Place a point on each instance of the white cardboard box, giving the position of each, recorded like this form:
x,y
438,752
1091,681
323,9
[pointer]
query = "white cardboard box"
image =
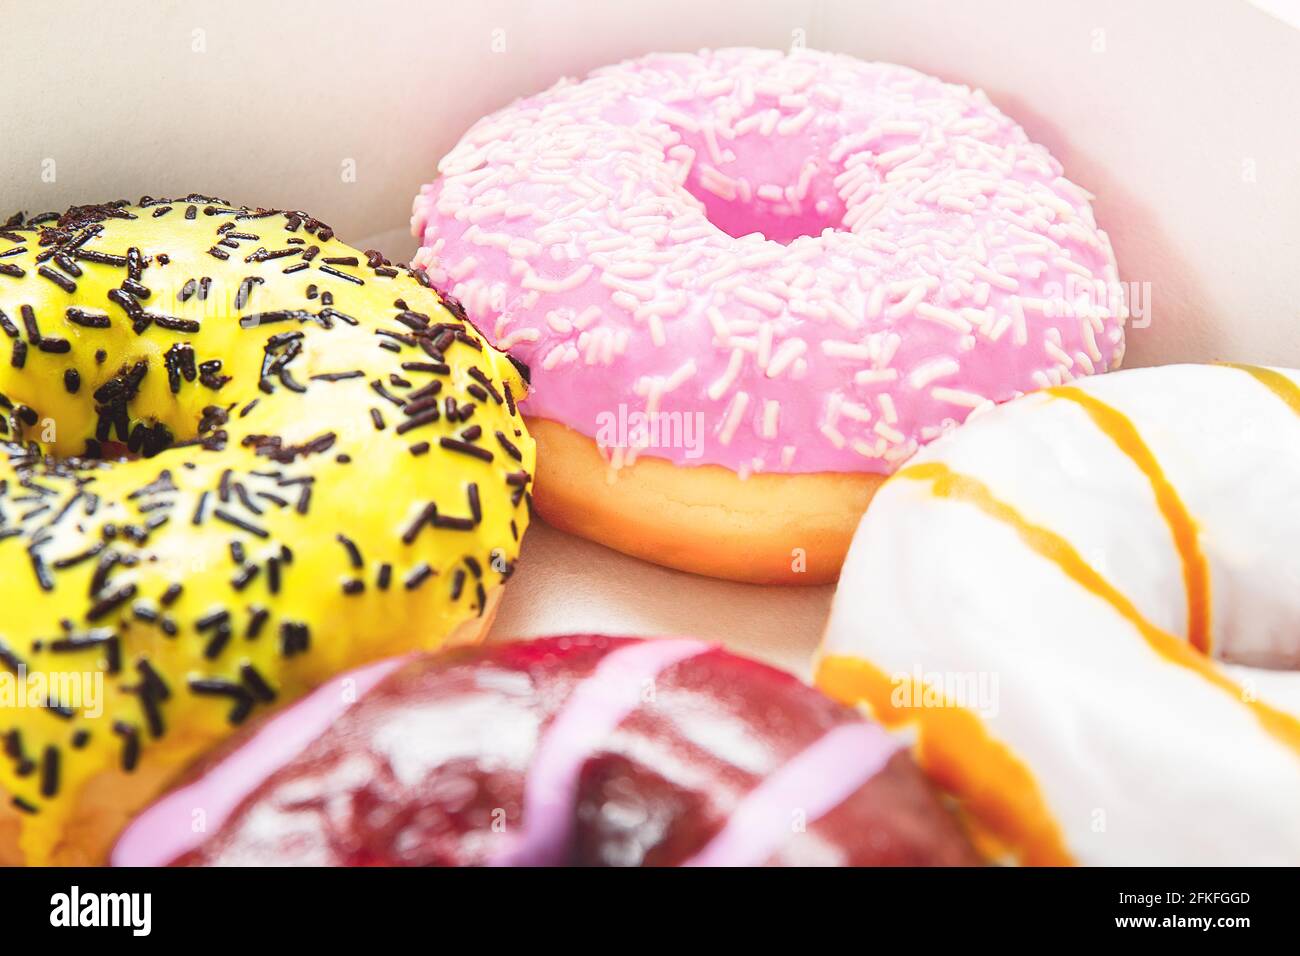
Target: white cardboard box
x,y
1182,116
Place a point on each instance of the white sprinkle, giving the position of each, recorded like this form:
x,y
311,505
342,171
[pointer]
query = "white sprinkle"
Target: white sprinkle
x,y
720,184
665,306
765,301
955,396
719,386
999,328
887,409
518,335
932,370
732,421
552,286
553,357
771,418
808,309
788,351
895,157
1047,307
1090,340
462,269
909,302
875,376
841,315
690,233
711,143
888,433
1005,283
763,257
876,302
679,119
794,124
1057,354
764,353
717,87
626,301
833,435
942,316
719,324
855,411
1019,331
586,317
657,331
684,373
728,265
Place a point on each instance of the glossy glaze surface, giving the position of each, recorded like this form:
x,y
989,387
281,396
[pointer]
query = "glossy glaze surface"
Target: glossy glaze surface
x,y
1083,605
582,750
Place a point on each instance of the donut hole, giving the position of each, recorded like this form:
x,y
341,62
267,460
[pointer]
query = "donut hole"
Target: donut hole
x,y
1280,655
1257,631
781,196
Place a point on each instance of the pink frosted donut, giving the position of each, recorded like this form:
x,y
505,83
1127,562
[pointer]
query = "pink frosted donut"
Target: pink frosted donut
x,y
792,263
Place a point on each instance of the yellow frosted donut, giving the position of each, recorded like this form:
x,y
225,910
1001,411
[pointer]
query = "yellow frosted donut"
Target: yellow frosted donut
x,y
329,468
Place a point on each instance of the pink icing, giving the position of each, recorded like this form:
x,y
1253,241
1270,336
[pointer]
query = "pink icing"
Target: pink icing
x,y
814,782
923,258
595,707
166,830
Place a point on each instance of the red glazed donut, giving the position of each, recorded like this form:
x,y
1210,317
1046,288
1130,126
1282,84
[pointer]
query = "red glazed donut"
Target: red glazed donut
x,y
578,750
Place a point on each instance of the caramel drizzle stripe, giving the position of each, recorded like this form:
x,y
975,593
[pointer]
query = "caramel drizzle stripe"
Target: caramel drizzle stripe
x,y
1196,571
1277,383
1048,544
995,786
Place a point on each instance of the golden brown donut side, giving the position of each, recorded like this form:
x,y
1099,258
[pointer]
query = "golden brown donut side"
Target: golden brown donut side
x,y
764,529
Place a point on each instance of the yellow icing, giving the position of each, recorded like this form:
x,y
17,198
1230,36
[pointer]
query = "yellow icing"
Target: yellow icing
x,y
373,498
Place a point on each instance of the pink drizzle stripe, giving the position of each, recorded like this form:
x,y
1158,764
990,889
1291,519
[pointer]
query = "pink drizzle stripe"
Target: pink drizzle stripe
x,y
816,781
594,709
165,831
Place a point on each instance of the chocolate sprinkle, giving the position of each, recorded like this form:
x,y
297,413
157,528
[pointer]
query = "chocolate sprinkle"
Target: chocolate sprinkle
x,y
421,573
354,553
465,448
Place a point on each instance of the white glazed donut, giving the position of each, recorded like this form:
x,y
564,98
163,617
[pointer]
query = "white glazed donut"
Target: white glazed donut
x,y
1084,605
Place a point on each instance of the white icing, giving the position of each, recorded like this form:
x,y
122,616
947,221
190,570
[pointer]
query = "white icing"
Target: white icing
x,y
1139,760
